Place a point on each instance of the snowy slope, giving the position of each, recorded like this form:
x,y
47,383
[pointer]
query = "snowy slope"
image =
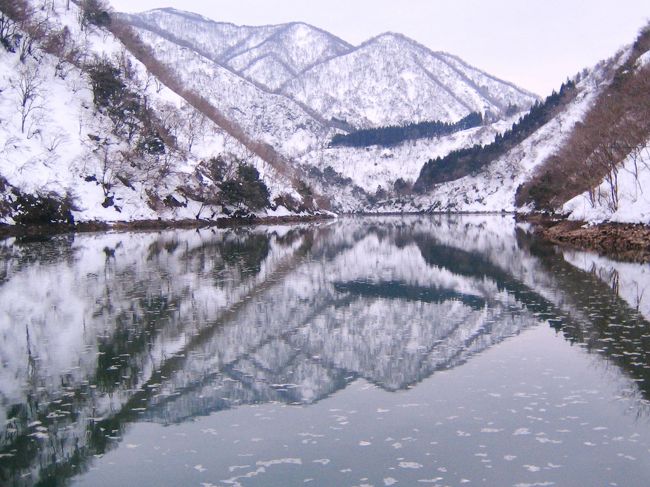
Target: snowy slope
x,y
265,117
53,154
68,147
393,80
376,166
494,188
269,68
295,46
267,55
626,196
500,93
630,203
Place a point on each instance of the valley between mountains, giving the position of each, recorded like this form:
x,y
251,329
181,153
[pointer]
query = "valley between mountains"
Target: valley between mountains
x,y
167,115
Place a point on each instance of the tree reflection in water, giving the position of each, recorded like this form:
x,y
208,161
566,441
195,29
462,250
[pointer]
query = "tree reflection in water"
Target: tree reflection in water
x,y
101,331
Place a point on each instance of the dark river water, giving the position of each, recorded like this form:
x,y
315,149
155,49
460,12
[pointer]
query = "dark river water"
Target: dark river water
x,y
434,351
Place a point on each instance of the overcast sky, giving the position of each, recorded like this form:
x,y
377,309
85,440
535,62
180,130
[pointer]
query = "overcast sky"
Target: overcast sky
x,y
533,43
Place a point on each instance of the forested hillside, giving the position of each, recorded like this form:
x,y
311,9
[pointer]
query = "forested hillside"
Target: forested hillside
x,y
471,160
486,177
396,134
616,128
90,133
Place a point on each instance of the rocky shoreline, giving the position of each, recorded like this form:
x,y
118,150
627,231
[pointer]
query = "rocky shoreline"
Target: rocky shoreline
x,y
622,241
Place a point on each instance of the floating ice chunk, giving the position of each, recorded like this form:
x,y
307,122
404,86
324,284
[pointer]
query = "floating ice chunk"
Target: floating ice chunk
x,y
536,484
627,457
280,461
544,439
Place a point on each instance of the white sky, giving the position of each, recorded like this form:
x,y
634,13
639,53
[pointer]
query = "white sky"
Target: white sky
x,y
533,43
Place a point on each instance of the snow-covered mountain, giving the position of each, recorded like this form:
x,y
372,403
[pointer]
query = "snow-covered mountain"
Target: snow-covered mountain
x,y
292,86
392,80
494,187
208,90
268,55
387,80
265,117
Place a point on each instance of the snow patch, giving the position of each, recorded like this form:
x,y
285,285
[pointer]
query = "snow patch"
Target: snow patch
x,y
629,203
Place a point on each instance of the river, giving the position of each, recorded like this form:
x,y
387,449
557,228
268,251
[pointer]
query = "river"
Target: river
x,y
444,350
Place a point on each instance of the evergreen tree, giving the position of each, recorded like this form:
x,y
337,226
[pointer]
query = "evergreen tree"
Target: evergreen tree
x,y
394,134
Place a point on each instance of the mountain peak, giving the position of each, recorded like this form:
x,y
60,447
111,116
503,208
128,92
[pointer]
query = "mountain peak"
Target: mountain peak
x,y
177,12
393,36
390,39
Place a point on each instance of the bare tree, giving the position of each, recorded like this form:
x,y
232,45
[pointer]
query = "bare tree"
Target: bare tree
x,y
28,86
55,140
195,124
109,161
8,31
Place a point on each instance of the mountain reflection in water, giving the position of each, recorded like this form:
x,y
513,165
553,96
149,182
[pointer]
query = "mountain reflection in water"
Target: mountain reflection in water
x,y
102,331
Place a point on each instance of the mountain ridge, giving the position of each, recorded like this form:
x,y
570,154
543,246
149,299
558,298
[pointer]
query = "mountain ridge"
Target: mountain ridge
x,y
351,46
270,56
